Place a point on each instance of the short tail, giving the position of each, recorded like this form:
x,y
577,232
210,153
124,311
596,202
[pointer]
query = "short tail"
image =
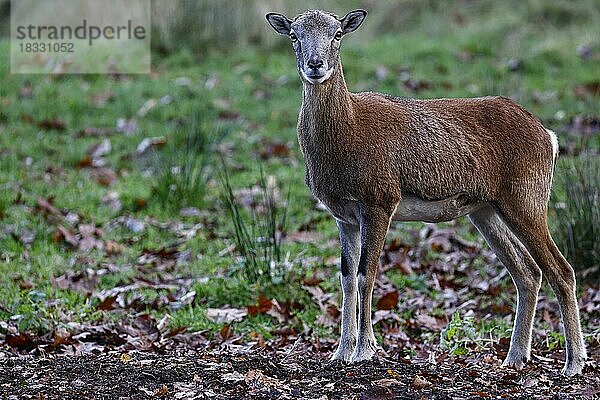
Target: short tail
x,y
554,141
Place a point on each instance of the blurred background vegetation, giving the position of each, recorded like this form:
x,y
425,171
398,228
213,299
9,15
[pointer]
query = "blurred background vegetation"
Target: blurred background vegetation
x,y
229,24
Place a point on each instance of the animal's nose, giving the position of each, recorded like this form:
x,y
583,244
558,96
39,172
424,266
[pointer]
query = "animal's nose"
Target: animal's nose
x,y
315,63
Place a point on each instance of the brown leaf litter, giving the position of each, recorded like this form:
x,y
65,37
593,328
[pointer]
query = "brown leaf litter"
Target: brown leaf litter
x,y
298,370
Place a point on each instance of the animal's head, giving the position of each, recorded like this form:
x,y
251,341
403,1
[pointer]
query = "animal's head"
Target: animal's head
x,y
316,37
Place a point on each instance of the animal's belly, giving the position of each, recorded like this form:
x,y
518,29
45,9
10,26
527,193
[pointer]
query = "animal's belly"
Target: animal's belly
x,y
412,208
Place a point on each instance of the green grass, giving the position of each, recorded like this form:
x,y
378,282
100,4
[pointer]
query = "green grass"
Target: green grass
x,y
227,104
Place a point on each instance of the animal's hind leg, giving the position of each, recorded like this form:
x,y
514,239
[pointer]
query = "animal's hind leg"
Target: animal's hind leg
x,y
530,226
525,274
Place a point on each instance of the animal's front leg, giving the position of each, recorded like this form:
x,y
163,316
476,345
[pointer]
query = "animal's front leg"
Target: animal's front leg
x,y
373,229
350,240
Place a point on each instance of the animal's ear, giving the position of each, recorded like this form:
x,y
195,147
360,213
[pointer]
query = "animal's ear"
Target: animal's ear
x,y
280,23
352,20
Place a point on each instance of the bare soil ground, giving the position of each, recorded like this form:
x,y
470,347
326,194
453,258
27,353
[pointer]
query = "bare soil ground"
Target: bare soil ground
x,y
298,371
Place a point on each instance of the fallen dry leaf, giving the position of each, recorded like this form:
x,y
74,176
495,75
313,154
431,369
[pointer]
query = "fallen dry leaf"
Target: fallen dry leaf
x,y
26,91
127,126
95,131
271,148
52,124
303,237
233,377
263,306
66,235
140,283
25,284
229,115
148,143
134,225
586,90
146,107
100,99
112,248
393,373
45,205
389,301
225,332
61,336
112,201
420,383
162,391
104,176
257,379
430,322
226,315
22,341
108,303
385,382
99,149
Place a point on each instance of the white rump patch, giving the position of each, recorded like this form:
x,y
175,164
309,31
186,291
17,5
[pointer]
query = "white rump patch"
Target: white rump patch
x,y
554,141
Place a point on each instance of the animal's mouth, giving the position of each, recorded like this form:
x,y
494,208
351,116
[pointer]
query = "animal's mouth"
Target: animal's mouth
x,y
316,79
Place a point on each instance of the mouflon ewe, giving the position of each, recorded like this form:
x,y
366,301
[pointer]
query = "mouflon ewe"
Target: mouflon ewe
x,y
373,158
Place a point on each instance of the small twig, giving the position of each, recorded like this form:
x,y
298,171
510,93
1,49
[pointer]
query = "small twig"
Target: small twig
x,y
228,250
501,275
292,349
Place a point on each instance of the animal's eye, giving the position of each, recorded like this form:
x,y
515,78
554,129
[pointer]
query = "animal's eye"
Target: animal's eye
x,y
293,37
338,35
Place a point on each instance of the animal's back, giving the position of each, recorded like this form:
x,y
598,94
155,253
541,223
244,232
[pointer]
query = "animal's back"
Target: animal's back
x,y
438,144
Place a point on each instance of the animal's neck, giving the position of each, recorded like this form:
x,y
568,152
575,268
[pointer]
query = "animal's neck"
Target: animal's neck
x,y
325,104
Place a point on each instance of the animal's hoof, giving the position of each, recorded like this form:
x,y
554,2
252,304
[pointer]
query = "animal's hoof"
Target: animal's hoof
x,y
345,350
363,352
342,355
573,367
516,361
570,371
362,356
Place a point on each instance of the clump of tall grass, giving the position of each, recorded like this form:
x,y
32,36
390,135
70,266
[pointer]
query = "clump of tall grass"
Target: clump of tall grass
x,y
182,170
576,212
259,232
